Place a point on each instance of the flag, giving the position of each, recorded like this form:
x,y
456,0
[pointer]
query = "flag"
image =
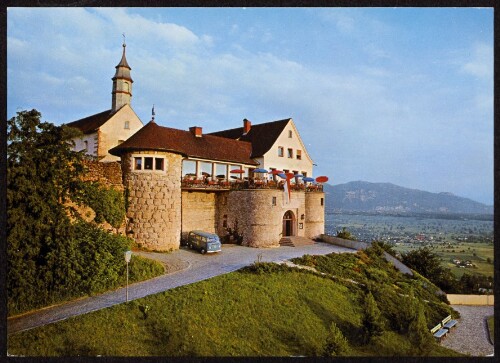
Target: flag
x,y
286,191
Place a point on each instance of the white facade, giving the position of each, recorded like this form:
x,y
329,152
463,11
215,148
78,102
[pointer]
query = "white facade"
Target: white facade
x,y
294,159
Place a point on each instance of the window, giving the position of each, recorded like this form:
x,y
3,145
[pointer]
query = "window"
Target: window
x,y
304,173
290,134
322,201
224,221
148,163
274,201
299,154
290,153
280,151
138,164
159,162
86,145
127,125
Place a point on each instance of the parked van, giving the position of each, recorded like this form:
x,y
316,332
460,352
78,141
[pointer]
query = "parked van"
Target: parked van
x,y
204,242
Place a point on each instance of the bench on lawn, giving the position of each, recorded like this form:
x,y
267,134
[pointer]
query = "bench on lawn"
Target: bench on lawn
x,y
449,323
439,332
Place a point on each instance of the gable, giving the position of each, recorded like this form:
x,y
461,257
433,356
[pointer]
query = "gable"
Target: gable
x,y
262,136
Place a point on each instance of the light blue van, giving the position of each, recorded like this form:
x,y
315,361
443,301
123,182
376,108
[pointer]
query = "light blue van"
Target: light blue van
x,y
204,242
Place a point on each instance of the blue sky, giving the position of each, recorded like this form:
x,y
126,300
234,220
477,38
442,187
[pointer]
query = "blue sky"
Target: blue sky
x,y
399,95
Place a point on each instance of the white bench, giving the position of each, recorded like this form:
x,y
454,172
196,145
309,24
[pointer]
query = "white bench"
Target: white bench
x,y
439,332
449,323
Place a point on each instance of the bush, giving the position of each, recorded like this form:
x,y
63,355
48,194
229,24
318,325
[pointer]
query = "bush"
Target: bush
x,y
108,204
336,344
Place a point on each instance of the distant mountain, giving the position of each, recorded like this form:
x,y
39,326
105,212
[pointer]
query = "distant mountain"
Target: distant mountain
x,y
360,196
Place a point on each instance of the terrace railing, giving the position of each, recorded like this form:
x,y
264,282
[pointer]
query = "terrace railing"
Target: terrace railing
x,y
246,185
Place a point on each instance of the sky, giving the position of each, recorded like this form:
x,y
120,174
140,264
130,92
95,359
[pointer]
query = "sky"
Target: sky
x,y
398,95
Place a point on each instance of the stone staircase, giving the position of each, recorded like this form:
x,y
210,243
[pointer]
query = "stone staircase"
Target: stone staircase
x,y
295,241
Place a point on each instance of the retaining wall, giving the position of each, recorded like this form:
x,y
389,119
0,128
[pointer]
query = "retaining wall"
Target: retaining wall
x,y
456,299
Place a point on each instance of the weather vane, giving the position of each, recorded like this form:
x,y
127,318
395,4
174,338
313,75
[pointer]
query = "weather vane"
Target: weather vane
x,y
123,38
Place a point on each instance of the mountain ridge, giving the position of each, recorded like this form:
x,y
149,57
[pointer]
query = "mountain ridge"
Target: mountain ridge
x,y
362,196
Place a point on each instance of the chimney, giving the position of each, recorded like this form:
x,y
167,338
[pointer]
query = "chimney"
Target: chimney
x,y
246,126
196,131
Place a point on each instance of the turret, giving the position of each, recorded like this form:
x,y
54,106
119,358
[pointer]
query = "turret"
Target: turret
x,y
122,84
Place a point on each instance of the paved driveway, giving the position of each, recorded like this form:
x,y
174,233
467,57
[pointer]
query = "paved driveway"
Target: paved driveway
x,y
470,336
183,267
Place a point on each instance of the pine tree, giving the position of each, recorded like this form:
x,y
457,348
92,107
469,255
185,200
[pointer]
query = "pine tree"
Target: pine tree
x,y
419,334
372,318
336,344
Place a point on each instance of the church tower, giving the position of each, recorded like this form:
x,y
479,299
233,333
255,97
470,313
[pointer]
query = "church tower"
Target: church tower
x,y
122,84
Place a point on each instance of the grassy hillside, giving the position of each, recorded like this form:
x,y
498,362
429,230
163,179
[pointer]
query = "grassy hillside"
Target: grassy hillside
x,y
262,310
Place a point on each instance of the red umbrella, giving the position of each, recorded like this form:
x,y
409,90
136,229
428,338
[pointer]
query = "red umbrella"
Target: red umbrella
x,y
275,172
290,175
321,179
237,171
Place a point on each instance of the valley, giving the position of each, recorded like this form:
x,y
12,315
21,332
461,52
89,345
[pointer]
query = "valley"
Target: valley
x,y
462,243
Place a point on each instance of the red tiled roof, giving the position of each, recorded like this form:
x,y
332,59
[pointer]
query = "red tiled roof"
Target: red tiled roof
x,y
262,136
90,124
160,138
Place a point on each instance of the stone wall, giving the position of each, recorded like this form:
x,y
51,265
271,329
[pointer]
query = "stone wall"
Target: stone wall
x,y
154,210
255,217
315,214
198,212
107,174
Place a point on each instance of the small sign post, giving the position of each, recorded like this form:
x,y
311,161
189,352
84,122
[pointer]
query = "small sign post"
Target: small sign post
x,y
128,255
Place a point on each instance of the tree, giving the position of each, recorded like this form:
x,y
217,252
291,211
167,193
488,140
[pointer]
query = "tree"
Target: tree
x,y
419,334
41,169
345,234
336,344
425,262
372,318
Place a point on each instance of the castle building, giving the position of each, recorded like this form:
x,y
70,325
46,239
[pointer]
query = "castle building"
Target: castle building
x,y
107,129
244,184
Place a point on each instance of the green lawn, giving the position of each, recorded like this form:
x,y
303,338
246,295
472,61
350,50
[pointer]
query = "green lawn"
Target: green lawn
x,y
491,327
276,312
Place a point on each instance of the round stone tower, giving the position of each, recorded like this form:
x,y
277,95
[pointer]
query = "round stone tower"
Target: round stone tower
x,y
152,181
315,214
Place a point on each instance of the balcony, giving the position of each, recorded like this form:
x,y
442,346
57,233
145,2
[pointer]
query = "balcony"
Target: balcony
x,y
244,184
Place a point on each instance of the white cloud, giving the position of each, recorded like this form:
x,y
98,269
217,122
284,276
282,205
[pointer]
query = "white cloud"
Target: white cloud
x,y
480,62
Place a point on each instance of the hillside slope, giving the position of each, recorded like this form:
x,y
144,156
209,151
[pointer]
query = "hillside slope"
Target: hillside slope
x,y
360,196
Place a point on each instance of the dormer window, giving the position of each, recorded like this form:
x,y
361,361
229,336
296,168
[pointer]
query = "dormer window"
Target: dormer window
x,y
127,125
290,134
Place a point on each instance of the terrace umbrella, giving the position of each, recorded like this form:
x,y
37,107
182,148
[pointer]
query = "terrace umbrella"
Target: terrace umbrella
x,y
237,171
308,179
221,176
282,175
321,179
260,171
276,172
205,173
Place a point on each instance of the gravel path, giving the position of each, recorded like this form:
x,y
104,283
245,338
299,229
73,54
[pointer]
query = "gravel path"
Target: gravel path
x,y
470,335
183,267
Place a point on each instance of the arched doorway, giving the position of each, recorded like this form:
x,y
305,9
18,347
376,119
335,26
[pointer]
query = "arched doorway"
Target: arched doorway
x,y
288,224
